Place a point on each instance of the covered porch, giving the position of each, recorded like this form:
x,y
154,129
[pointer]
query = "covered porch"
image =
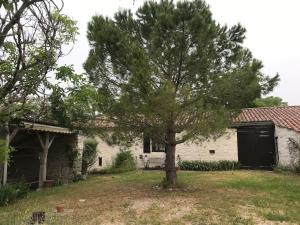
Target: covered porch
x,y
43,154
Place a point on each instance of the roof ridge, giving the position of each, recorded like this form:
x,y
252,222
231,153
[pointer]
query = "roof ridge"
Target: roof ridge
x,y
273,107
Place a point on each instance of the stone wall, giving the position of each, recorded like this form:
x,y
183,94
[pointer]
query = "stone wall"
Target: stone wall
x,y
225,148
78,148
61,159
25,159
285,157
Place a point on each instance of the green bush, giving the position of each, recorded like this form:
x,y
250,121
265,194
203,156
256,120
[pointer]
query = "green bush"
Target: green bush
x,y
9,193
89,154
124,159
5,151
79,177
123,162
21,188
287,169
209,165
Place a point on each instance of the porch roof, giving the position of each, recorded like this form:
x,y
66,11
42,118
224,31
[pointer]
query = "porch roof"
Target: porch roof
x,y
26,125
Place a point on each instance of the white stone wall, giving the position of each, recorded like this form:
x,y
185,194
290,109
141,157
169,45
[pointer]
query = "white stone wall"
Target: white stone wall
x,y
283,135
225,148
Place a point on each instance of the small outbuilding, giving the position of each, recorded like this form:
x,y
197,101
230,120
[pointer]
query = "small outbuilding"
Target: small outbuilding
x,y
269,136
43,153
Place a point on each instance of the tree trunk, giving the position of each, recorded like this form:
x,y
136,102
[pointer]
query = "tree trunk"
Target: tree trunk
x,y
170,168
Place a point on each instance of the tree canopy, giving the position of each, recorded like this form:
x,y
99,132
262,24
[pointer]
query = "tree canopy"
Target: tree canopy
x,y
89,154
269,102
171,71
33,36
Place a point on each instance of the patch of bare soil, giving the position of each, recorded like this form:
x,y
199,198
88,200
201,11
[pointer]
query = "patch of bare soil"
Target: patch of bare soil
x,y
173,208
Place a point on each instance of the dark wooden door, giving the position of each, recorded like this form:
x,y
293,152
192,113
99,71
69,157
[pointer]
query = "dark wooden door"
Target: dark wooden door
x,y
256,146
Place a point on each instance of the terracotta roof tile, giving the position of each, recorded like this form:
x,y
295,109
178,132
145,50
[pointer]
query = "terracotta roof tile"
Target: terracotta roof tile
x,y
284,116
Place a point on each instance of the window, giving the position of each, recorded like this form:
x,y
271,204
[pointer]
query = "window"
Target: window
x,y
158,147
100,161
212,152
155,146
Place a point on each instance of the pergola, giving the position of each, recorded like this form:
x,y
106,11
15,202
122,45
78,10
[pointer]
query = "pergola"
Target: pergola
x,y
45,134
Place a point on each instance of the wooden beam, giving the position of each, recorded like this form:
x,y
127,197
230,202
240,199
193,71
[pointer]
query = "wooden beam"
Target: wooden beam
x,y
46,144
5,162
41,140
13,134
51,140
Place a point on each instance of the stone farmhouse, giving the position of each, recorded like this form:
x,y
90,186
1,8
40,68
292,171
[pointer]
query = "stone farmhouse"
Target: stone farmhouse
x,y
263,138
45,154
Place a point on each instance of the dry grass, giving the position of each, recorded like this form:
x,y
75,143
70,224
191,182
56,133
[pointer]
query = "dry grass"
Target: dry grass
x,y
239,197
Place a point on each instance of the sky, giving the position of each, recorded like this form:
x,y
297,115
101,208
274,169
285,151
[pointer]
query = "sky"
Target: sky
x,y
273,34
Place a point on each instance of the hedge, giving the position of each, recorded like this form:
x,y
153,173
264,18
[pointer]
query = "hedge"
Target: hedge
x,y
9,193
209,165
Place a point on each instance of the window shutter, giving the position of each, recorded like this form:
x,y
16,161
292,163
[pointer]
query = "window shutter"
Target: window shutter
x,y
146,145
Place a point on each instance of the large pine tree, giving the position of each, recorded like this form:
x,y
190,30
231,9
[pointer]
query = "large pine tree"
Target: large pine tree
x,y
172,72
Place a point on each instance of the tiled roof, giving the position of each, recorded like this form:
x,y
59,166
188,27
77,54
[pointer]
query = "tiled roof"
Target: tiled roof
x,y
283,116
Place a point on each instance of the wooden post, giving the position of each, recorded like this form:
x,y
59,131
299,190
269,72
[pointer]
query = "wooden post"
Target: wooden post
x,y
6,157
9,138
46,144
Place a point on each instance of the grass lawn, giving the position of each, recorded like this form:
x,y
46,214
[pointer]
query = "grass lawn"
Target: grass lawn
x,y
239,197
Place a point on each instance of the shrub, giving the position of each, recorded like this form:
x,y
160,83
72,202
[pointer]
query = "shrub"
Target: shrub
x,y
89,154
79,177
286,169
209,165
9,193
123,162
5,151
123,159
102,171
21,188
